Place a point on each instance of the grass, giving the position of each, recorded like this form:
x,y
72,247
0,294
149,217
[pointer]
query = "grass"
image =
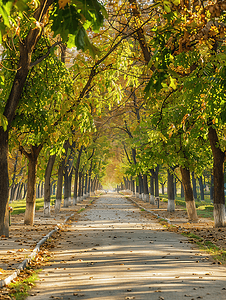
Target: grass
x,y
204,208
80,210
216,252
205,211
19,290
19,206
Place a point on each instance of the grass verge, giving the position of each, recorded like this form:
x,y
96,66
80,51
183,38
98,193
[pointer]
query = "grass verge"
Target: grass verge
x,y
80,210
207,246
19,290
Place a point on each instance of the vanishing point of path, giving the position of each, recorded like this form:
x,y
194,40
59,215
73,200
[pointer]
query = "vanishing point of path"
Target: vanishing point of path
x,y
114,253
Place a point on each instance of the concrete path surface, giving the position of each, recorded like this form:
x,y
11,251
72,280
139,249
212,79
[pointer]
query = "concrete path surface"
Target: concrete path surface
x,y
115,253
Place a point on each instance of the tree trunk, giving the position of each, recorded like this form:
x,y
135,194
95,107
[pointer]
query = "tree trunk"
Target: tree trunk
x,y
218,176
201,188
25,190
141,186
189,198
157,181
175,187
211,187
66,189
19,196
75,199
42,189
79,186
145,184
31,184
182,190
38,190
4,183
194,186
170,192
48,173
82,186
152,190
163,189
89,181
60,176
133,187
86,185
59,187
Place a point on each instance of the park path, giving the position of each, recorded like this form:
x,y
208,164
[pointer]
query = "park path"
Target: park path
x,y
113,252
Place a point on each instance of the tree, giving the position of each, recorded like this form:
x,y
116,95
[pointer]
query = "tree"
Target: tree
x,y
32,26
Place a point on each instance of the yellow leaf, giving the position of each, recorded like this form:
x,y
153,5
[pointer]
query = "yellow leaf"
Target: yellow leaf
x,y
63,3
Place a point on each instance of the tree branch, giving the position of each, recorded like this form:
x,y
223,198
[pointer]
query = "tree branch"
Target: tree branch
x,y
44,56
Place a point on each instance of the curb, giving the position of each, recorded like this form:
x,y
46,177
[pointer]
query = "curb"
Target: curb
x,y
26,261
33,254
167,220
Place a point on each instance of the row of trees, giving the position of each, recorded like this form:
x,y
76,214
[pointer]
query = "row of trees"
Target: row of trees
x,y
167,181
151,83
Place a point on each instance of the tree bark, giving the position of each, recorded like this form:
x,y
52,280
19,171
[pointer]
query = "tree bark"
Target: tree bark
x,y
201,188
67,187
189,198
141,186
75,199
48,173
218,177
182,190
79,186
59,186
163,191
60,176
211,187
145,184
25,190
133,186
152,190
157,181
194,186
82,186
171,193
89,180
86,185
31,183
4,184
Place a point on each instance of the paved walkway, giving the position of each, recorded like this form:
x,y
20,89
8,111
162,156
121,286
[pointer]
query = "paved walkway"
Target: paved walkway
x,y
113,252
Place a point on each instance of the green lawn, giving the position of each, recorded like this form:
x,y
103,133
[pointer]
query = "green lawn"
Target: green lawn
x,y
204,208
19,206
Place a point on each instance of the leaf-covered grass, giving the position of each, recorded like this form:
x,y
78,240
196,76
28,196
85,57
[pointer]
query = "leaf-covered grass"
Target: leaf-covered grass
x,y
216,252
19,290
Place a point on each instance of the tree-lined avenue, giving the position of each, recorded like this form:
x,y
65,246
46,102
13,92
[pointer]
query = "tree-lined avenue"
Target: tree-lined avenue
x,y
116,252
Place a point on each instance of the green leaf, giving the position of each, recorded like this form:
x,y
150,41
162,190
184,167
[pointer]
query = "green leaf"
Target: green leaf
x,y
3,122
